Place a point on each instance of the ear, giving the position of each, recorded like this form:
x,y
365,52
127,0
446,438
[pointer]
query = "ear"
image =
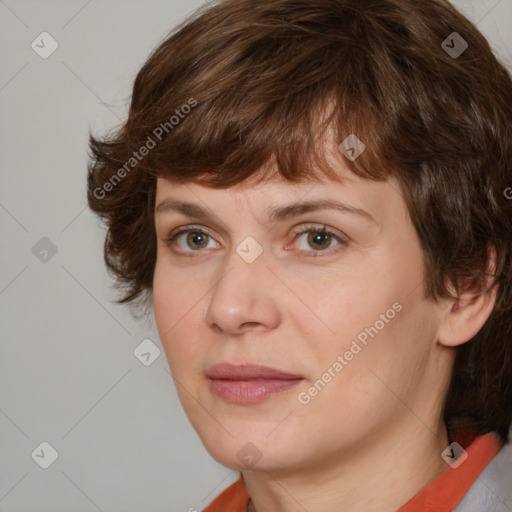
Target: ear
x,y
466,315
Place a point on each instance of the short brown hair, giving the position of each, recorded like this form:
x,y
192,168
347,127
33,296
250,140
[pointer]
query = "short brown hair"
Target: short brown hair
x,y
254,74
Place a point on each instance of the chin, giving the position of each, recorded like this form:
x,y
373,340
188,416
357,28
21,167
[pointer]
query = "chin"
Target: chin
x,y
253,450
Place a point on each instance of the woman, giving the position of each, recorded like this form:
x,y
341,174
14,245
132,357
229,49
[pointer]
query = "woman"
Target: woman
x,y
311,197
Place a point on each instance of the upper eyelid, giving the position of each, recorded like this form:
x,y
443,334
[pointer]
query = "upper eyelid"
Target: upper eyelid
x,y
186,229
305,227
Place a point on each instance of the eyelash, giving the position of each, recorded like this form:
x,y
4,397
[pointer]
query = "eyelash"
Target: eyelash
x,y
169,241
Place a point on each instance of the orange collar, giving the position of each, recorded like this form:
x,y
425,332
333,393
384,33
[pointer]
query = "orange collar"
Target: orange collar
x,y
447,490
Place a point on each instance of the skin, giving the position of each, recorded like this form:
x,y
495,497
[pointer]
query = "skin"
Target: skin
x,y
356,444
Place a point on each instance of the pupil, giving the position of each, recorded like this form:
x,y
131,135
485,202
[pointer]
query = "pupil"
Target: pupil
x,y
197,238
319,239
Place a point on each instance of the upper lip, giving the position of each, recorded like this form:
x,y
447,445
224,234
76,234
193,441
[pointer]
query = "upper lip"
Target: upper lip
x,y
247,371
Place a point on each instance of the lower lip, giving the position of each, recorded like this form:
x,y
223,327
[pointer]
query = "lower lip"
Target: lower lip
x,y
250,391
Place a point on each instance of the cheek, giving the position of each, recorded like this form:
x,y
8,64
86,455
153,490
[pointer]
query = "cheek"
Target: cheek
x,y
344,306
175,298
371,315
383,340
164,303
176,306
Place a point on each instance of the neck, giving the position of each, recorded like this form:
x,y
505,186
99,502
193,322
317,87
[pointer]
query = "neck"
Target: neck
x,y
380,476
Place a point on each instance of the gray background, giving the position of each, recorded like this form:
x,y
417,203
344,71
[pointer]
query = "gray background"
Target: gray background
x,y
68,374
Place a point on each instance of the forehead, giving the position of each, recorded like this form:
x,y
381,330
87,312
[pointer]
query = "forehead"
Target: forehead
x,y
266,178
266,189
266,184
274,200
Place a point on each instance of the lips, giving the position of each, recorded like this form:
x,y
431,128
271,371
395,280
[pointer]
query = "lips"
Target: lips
x,y
248,372
249,384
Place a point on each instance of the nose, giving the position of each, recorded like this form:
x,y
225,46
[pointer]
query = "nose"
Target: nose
x,y
244,297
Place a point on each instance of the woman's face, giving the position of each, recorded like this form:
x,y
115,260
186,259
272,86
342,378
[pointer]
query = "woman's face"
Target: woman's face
x,y
342,314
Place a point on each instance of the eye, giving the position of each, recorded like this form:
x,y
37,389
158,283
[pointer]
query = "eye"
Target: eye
x,y
196,239
320,239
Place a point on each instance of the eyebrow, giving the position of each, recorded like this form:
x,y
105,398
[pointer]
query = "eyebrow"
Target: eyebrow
x,y
273,214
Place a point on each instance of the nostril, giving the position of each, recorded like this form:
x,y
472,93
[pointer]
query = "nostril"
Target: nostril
x,y
250,324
